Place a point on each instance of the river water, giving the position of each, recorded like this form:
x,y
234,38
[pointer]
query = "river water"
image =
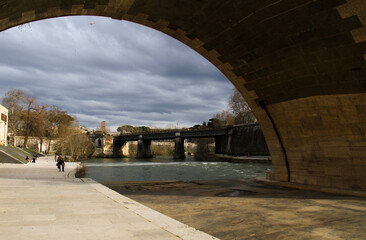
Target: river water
x,y
164,168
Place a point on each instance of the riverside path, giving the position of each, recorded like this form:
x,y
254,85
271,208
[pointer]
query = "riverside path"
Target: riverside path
x,y
39,202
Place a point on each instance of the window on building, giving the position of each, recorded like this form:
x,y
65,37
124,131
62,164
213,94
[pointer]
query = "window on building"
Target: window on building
x,y
4,117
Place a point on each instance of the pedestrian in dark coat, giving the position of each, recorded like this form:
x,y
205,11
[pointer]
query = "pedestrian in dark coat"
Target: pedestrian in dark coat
x,y
60,164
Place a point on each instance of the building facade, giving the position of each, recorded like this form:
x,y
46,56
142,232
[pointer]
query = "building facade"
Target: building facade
x,y
3,126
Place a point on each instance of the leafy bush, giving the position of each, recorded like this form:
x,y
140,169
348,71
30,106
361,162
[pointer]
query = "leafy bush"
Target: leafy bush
x,y
81,171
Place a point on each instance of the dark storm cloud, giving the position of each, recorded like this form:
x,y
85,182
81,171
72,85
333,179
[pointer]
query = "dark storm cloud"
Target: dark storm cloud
x,y
101,69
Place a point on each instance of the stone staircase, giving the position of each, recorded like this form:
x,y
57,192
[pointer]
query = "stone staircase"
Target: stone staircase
x,y
17,155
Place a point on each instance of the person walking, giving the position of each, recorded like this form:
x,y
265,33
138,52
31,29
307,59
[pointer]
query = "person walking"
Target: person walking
x,y
63,165
60,163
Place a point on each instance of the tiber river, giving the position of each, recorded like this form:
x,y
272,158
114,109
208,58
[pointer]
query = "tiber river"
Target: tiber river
x,y
164,168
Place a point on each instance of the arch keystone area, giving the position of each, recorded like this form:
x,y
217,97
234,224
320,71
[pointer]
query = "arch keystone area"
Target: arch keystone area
x,y
300,66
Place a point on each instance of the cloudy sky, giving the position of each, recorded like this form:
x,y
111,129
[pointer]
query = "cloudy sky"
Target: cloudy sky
x,y
117,71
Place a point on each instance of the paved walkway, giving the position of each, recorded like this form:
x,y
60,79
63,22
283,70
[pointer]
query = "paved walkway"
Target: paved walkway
x,y
39,202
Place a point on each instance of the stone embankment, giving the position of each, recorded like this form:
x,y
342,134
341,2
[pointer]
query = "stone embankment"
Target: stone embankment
x,y
244,159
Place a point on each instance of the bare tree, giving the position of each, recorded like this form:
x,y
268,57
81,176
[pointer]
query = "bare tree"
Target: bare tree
x,y
223,118
80,146
13,100
38,124
76,144
30,119
30,106
240,109
57,124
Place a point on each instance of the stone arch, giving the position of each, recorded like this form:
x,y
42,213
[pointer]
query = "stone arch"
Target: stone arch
x,y
301,67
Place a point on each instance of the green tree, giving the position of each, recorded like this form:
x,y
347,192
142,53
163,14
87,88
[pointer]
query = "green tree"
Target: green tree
x,y
130,129
142,129
125,129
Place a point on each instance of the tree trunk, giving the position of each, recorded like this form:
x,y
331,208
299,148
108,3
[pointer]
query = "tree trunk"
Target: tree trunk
x,y
27,127
25,140
40,147
49,145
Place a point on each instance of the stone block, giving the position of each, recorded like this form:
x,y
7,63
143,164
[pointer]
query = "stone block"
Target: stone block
x,y
304,179
333,171
76,8
281,177
340,182
324,181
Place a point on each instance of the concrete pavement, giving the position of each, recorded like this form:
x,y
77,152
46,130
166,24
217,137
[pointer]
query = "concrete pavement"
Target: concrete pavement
x,y
38,202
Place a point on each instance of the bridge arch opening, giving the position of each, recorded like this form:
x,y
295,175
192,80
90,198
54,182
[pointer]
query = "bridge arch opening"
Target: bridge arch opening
x,y
301,68
64,78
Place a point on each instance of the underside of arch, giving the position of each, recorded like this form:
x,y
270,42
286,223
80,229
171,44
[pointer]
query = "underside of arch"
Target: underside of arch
x,y
299,64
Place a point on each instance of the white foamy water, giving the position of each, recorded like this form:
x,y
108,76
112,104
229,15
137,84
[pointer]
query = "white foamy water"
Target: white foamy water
x,y
130,164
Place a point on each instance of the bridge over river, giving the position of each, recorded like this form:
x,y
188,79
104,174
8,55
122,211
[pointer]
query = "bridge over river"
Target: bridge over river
x,y
234,140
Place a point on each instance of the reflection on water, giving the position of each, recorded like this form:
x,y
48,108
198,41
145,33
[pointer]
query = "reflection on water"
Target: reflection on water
x,y
163,168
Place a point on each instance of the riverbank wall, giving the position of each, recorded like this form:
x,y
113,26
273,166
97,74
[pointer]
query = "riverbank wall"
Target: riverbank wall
x,y
244,159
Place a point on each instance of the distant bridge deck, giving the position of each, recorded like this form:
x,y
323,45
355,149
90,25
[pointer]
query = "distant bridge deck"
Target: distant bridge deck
x,y
161,135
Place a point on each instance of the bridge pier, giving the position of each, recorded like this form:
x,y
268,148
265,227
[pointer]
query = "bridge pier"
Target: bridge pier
x,y
220,144
143,148
179,147
223,143
229,138
117,148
